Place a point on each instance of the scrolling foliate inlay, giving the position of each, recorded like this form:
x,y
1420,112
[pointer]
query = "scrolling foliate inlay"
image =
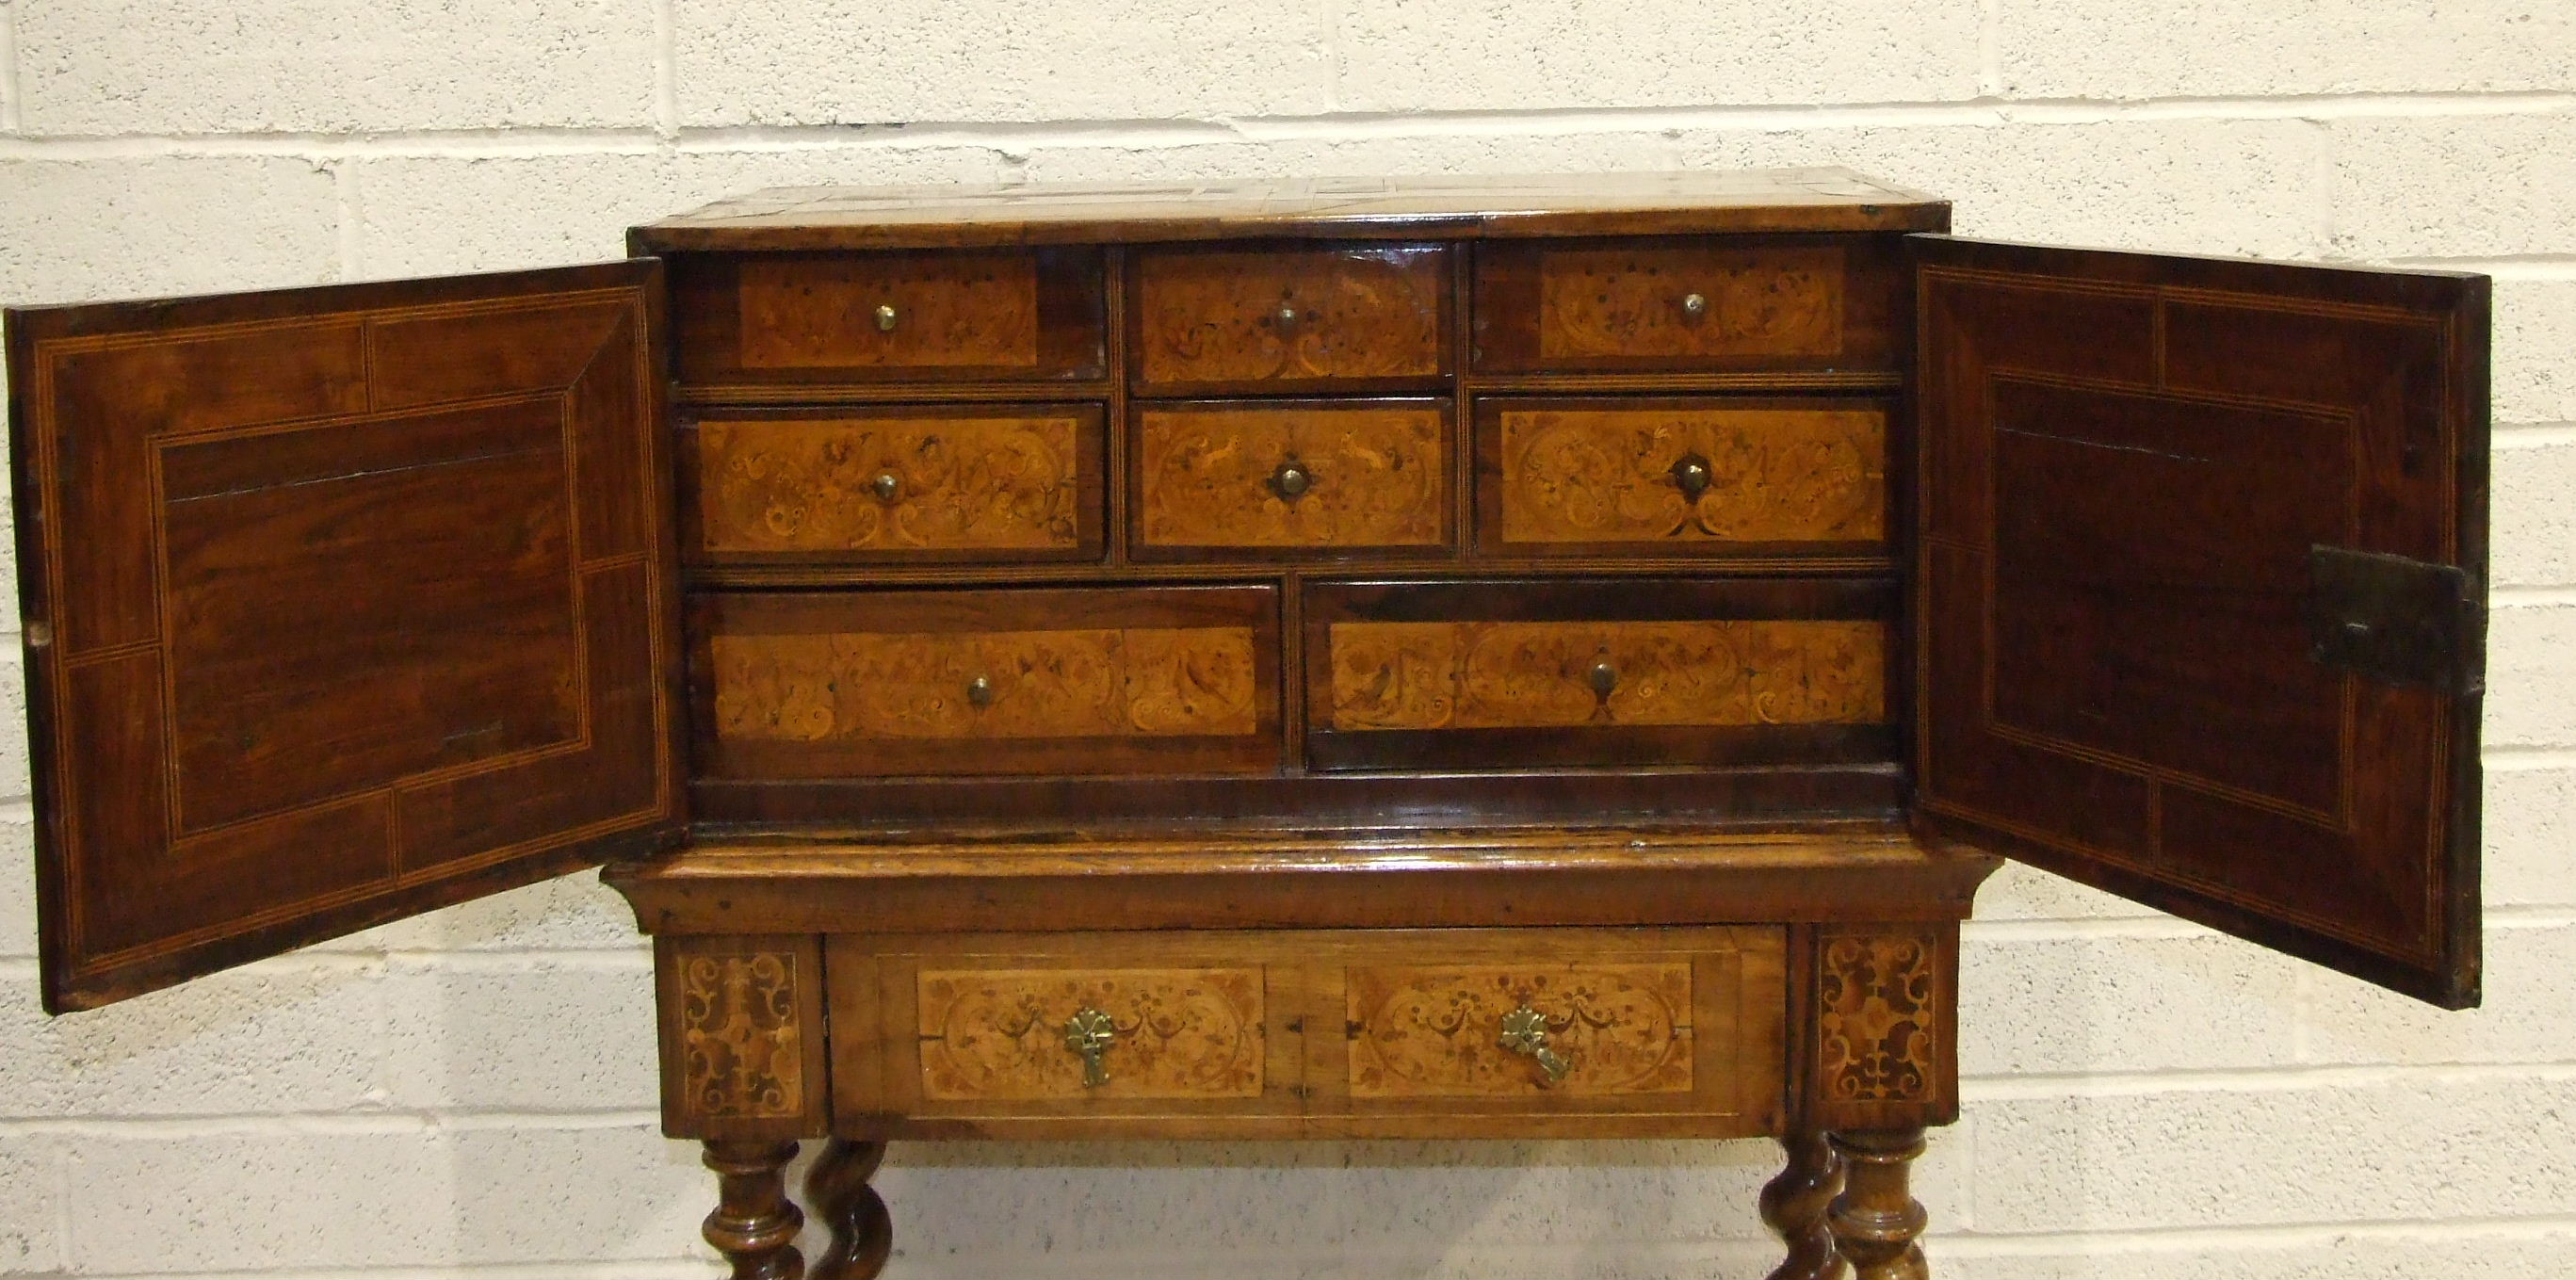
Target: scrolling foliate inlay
x,y
1137,682
1483,675
1377,477
1764,475
741,1048
1878,1016
1172,1033
1226,317
1774,301
1420,1032
932,484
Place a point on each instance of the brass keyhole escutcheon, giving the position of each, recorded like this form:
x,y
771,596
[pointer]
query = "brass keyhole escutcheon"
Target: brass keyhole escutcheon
x,y
886,486
1694,305
886,317
1525,1033
1291,480
979,691
1692,475
1089,1034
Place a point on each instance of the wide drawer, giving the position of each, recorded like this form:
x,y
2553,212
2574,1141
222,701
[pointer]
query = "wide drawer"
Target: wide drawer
x,y
947,683
1688,304
1597,672
1269,478
1364,1033
918,484
1010,315
1696,477
1359,317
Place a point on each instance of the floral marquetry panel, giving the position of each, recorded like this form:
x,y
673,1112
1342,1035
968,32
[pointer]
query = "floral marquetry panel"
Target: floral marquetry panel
x,y
1682,476
1625,302
1438,1031
1363,316
1300,476
1000,1035
957,310
1883,1047
1474,675
742,1034
935,485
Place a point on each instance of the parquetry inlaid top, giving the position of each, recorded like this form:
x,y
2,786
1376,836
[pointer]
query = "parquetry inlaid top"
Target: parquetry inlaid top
x,y
1434,207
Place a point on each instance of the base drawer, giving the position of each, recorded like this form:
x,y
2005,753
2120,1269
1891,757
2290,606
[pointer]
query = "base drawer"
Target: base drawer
x,y
1383,1033
1597,673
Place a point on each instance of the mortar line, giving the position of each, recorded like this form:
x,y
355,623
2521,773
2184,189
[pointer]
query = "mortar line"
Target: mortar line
x,y
2306,1232
405,1122
666,69
2282,1078
2539,596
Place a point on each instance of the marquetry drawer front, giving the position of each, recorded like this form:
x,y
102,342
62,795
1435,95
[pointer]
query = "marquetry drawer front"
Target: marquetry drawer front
x,y
1218,478
943,683
1564,1021
1697,305
1597,672
1358,317
1011,482
934,316
1684,477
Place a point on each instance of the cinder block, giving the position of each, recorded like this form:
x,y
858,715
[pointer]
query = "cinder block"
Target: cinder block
x,y
2531,698
2529,968
2068,1006
572,912
1091,160
286,1036
2104,49
2184,186
2409,1149
13,719
2468,1251
17,882
78,231
2530,819
327,66
803,62
495,1033
2018,891
30,1205
2532,529
1515,55
402,1197
975,1202
2535,347
2453,185
429,215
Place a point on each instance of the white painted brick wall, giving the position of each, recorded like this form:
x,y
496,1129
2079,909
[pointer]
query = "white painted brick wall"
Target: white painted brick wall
x,y
472,1093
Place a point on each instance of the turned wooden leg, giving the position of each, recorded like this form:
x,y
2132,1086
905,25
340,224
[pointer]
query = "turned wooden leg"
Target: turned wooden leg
x,y
1876,1219
837,1188
755,1224
1793,1206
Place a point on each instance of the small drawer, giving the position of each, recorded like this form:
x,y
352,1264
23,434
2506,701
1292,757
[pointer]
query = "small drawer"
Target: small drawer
x,y
1538,1022
1681,477
948,683
1374,317
1689,305
1600,673
1015,315
1214,478
1003,482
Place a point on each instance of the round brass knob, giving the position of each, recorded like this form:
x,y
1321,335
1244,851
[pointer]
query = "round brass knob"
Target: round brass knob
x,y
885,317
886,486
979,691
1692,476
1604,678
1291,480
1287,316
1694,304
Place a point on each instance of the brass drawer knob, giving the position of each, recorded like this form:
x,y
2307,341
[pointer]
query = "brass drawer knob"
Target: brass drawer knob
x,y
1692,475
1089,1033
1604,678
886,486
1694,304
886,317
1286,317
1525,1032
979,691
1291,480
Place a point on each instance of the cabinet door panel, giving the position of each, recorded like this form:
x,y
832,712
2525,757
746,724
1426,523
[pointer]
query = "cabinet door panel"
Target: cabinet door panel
x,y
2202,557
342,604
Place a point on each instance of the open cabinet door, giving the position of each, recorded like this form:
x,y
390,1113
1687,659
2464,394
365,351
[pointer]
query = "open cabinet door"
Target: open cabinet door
x,y
341,604
2201,610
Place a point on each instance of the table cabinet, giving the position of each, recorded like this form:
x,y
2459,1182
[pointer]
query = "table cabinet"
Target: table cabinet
x,y
1546,657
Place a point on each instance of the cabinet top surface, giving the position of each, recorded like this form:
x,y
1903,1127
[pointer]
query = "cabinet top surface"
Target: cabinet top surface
x,y
1430,207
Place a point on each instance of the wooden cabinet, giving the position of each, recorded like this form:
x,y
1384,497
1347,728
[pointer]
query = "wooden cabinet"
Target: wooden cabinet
x,y
1324,659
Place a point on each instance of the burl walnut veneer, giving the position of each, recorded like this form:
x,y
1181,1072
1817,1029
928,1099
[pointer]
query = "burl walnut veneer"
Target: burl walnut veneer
x,y
1549,657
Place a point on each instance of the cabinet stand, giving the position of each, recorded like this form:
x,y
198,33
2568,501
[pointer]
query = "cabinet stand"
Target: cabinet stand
x,y
755,1224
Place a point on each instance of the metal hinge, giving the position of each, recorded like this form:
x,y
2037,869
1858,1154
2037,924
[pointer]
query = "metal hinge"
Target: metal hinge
x,y
2395,620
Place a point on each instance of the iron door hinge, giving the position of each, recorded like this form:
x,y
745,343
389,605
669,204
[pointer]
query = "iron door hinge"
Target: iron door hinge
x,y
2396,620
